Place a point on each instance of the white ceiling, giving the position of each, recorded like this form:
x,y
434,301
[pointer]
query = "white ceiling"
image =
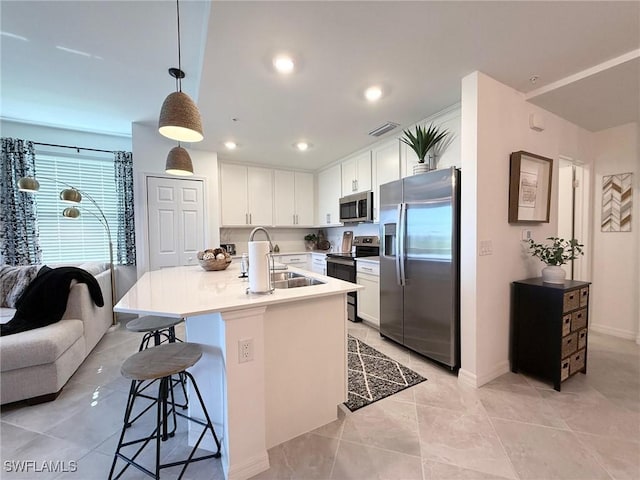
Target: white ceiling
x,y
418,52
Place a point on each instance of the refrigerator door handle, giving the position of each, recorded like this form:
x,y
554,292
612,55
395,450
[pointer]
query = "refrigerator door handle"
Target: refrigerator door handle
x,y
397,246
401,243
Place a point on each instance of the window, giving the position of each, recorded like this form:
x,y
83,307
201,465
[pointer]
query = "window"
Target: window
x,y
84,238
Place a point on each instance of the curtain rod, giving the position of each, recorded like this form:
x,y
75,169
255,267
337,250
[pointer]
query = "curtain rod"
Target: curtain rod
x,y
74,148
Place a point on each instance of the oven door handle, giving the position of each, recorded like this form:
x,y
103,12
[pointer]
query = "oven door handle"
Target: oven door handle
x,y
340,261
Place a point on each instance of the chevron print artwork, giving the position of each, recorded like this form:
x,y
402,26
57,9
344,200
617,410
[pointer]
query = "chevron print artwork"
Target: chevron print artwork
x,y
616,202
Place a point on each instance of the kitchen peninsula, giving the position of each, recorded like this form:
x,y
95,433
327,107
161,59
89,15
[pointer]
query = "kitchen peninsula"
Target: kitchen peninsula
x,y
292,376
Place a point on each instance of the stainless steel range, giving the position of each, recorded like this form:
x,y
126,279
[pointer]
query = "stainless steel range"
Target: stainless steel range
x,y
343,266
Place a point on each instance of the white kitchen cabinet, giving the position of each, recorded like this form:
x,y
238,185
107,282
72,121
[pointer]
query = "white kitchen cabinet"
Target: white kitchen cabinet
x,y
246,195
386,168
319,263
293,198
368,275
329,193
300,260
356,174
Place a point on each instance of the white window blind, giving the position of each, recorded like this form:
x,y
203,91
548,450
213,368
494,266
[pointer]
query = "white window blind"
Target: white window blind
x,y
84,238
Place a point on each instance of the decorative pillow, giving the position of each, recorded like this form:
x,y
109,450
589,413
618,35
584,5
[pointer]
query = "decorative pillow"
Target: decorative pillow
x,y
13,281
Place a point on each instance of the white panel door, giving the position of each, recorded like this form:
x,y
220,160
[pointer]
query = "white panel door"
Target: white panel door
x,y
386,168
175,221
329,192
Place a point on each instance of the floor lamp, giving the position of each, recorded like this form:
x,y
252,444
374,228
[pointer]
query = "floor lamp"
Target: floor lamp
x,y
75,195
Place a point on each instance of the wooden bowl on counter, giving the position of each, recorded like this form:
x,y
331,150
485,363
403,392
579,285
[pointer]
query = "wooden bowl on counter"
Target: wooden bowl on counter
x,y
212,264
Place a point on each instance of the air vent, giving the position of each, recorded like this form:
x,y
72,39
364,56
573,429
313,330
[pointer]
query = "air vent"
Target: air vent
x,y
382,129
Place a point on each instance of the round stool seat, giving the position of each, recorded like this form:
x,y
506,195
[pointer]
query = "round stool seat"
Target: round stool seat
x,y
151,323
161,361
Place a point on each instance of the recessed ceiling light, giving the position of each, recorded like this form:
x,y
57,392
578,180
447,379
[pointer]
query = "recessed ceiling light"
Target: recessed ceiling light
x,y
230,145
373,93
283,64
302,146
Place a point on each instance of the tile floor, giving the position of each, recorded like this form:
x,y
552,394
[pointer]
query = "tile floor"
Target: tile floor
x,y
515,427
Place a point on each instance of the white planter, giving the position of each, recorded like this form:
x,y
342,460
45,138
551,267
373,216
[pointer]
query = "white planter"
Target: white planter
x,y
553,274
420,168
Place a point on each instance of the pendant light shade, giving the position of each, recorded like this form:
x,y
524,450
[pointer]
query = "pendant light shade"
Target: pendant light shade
x,y
180,118
70,195
71,212
179,162
28,184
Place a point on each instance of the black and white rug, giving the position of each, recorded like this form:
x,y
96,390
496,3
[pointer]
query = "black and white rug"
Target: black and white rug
x,y
374,376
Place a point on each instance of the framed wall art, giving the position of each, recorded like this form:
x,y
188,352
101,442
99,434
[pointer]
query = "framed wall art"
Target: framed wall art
x,y
617,202
529,188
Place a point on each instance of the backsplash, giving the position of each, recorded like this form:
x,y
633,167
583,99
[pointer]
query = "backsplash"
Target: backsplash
x,y
292,239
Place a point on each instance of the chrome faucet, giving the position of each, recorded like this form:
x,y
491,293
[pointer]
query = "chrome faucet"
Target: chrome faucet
x,y
257,229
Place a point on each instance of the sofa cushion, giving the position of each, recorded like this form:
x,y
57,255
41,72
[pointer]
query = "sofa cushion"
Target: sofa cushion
x,y
13,281
39,346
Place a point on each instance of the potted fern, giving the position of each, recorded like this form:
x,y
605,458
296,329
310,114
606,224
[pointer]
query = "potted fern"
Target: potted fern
x,y
422,141
559,252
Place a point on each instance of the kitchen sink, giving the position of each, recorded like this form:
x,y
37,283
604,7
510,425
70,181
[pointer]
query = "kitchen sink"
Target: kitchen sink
x,y
292,280
280,276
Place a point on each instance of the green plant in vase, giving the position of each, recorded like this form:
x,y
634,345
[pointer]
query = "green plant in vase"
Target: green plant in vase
x,y
422,140
310,241
555,254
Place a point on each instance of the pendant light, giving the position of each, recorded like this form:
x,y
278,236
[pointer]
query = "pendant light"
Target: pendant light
x,y
179,162
179,115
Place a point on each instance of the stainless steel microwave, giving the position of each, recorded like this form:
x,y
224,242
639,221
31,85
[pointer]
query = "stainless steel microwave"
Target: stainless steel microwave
x,y
357,208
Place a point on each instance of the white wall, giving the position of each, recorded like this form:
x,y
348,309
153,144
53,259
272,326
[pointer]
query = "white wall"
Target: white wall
x,y
616,255
150,151
495,122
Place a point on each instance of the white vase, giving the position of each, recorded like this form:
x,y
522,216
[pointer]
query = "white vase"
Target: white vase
x,y
420,168
553,274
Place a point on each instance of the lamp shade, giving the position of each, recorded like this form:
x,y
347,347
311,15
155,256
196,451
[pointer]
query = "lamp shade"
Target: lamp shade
x,y
71,212
179,162
70,195
28,184
180,118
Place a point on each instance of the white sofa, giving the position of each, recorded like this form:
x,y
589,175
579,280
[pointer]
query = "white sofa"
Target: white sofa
x,y
36,364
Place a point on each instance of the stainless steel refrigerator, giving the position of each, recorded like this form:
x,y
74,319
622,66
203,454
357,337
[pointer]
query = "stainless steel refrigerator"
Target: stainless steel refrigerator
x,y
419,264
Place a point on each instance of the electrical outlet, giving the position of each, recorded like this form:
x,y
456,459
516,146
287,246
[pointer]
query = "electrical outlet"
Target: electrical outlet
x,y
245,350
486,247
526,234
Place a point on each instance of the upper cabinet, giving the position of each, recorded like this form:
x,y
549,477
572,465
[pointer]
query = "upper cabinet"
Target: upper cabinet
x,y
329,192
356,174
246,195
386,168
293,198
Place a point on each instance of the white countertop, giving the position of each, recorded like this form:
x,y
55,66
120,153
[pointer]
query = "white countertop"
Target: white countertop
x,y
190,290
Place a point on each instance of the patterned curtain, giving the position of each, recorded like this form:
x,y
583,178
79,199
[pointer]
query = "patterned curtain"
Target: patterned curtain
x,y
18,228
126,237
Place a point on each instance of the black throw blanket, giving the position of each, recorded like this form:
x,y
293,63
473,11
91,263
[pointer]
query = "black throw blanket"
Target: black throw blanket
x,y
45,299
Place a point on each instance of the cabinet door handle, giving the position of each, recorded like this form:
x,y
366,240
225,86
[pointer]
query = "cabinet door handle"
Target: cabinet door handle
x,y
250,219
246,219
356,184
328,218
367,269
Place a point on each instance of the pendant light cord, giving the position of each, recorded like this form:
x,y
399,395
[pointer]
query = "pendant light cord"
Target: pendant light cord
x,y
179,80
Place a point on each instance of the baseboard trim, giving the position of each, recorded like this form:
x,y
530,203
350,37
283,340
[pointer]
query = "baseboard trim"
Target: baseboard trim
x,y
615,332
248,468
467,378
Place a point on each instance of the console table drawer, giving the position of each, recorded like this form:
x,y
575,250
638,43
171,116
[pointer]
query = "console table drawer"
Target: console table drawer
x,y
566,324
571,301
584,296
578,319
582,338
569,344
577,362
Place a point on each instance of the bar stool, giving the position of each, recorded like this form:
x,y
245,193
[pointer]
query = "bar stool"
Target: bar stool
x,y
160,363
161,330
